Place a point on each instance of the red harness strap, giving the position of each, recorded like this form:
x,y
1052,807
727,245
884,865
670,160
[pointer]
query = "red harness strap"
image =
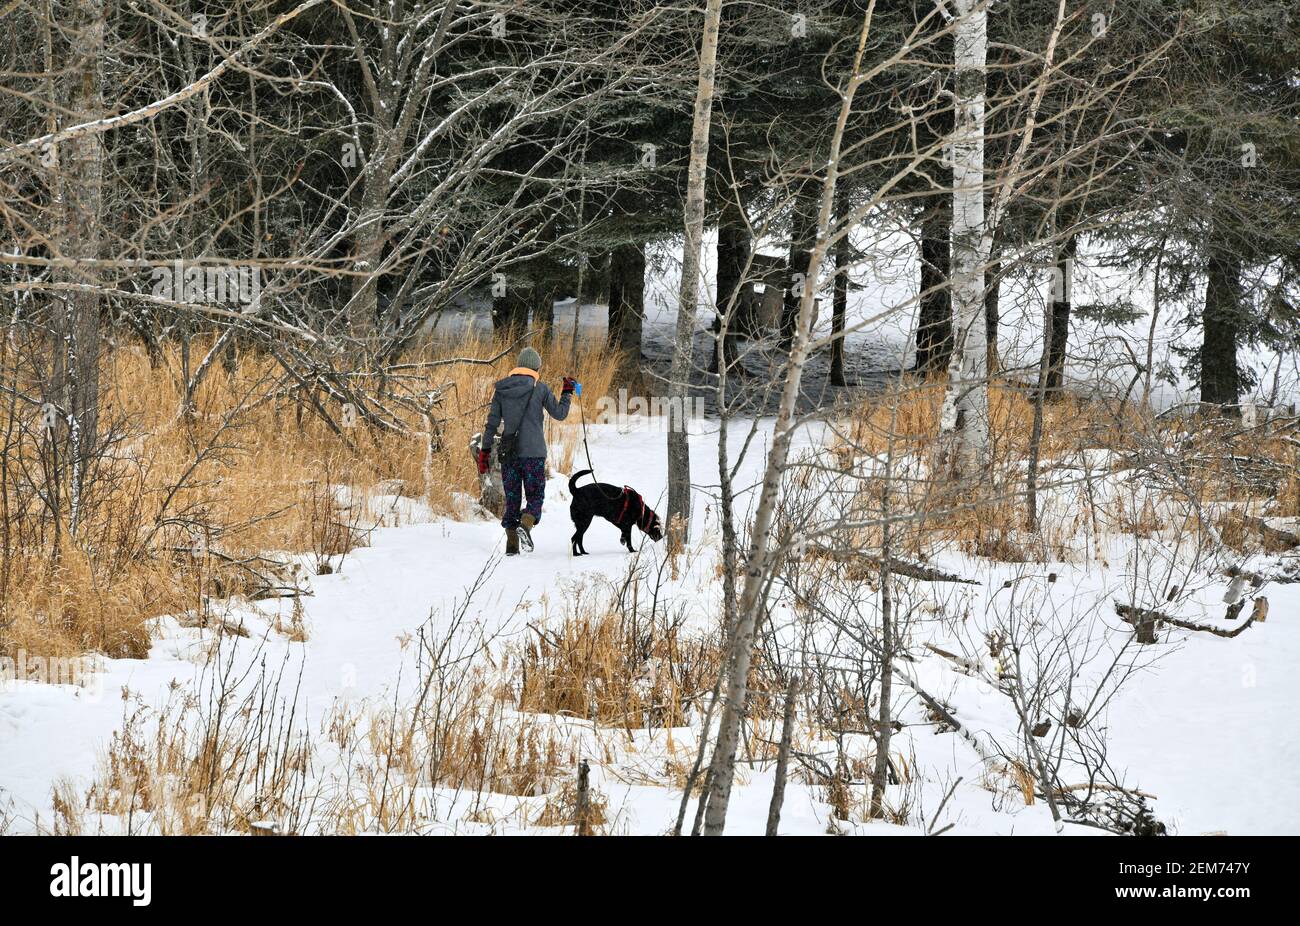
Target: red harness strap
x,y
627,500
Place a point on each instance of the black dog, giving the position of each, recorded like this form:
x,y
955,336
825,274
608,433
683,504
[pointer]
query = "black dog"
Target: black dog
x,y
621,507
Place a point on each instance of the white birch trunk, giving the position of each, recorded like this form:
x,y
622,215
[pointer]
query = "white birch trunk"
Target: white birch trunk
x,y
679,457
966,404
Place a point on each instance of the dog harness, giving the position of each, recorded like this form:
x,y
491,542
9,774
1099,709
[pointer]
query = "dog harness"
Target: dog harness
x,y
628,495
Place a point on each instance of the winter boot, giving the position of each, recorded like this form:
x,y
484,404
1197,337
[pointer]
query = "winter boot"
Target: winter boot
x,y
512,542
527,523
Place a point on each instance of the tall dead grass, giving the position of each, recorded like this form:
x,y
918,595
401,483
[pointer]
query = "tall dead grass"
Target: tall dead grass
x,y
182,507
906,419
1212,464
478,731
985,518
617,668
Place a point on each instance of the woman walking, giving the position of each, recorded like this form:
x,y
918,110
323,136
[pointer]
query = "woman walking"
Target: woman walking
x,y
517,403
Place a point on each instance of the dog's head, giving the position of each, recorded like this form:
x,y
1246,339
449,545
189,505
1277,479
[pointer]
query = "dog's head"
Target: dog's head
x,y
651,526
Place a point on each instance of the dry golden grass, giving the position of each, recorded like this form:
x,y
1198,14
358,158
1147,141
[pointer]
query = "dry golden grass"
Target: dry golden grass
x,y
567,808
616,669
193,772
251,471
1288,496
988,517
906,419
221,765
68,607
1238,477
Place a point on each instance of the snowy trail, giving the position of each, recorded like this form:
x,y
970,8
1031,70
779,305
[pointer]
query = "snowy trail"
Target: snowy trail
x,y
410,572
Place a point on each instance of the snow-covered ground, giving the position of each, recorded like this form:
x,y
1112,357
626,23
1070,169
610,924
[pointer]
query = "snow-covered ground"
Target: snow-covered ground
x,y
1207,727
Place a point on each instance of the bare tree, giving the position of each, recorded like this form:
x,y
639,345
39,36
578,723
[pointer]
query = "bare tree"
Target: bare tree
x,y
965,411
722,770
79,161
679,454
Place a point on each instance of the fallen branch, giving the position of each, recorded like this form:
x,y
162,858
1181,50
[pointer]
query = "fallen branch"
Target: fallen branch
x,y
226,624
1066,789
269,584
1143,618
941,711
1275,539
968,666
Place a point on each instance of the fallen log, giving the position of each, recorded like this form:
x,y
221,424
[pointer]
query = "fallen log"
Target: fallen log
x,y
925,573
968,666
1102,786
219,622
1275,539
1145,621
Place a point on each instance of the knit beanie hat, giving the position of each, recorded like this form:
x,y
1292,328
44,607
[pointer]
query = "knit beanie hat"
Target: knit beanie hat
x,y
530,358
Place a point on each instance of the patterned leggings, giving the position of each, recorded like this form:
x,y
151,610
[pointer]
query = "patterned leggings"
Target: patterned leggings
x,y
524,475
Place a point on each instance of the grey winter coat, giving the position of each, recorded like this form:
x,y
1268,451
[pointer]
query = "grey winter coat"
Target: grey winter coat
x,y
508,401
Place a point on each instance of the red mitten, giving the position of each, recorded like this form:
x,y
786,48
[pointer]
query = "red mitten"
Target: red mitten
x,y
484,462
569,383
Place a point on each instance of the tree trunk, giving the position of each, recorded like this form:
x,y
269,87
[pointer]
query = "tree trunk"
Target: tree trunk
x,y
627,307
74,386
679,455
992,313
1062,299
1220,376
801,275
758,563
965,411
934,318
884,728
544,296
840,293
839,311
733,256
1036,429
783,756
368,250
510,311
616,306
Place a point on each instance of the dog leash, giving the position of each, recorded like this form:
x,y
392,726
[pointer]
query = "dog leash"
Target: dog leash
x,y
586,449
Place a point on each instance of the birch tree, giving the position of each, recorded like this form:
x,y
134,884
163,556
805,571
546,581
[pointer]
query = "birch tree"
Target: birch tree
x,y
964,415
966,405
679,454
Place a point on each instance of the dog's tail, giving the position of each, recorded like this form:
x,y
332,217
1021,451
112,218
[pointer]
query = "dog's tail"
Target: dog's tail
x,y
575,477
